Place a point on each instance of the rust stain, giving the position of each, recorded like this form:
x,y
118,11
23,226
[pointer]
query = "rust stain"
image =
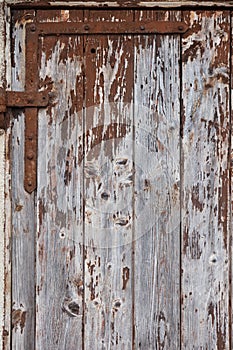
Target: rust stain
x,y
125,277
18,319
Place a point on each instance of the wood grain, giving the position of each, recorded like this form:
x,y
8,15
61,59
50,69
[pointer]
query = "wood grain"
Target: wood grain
x,y
128,238
157,191
59,259
205,182
108,191
23,220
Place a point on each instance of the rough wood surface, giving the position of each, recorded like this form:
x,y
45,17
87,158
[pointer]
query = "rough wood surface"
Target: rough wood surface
x,y
108,188
205,181
23,224
59,220
6,339
2,224
132,212
157,191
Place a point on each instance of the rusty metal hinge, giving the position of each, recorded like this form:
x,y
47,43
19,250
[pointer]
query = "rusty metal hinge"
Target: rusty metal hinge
x,y
30,101
22,99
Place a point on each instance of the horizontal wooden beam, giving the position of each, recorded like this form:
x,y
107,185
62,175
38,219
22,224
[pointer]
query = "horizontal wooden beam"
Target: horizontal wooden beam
x,y
120,3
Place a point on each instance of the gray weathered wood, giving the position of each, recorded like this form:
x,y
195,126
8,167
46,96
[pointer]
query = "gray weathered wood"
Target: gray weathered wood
x,y
119,263
23,224
157,192
108,189
60,213
205,182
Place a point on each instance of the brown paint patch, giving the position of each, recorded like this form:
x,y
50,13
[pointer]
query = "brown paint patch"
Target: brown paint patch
x,y
18,319
41,253
125,277
69,166
196,200
41,212
18,207
223,205
99,134
78,283
185,239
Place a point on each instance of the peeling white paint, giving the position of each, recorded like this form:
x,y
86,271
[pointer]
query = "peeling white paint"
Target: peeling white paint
x,y
2,172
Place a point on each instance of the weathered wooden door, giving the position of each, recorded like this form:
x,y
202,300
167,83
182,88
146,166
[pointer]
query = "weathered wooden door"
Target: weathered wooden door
x,y
121,229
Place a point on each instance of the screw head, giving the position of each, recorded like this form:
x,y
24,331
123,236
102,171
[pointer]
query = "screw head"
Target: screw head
x,y
86,27
142,27
180,28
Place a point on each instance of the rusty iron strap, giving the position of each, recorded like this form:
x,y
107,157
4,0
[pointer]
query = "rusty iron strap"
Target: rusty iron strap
x,y
144,27
31,113
27,99
18,99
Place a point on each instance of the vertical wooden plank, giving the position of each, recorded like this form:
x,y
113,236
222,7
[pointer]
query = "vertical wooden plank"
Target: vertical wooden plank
x,y
157,189
2,177
231,184
23,209
7,243
59,259
108,190
6,340
2,226
205,182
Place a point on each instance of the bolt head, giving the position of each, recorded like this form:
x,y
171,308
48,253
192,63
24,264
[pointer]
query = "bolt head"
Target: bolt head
x,y
33,27
30,155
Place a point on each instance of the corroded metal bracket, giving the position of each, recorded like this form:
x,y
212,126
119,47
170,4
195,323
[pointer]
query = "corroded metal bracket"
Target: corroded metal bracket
x,y
30,101
142,27
18,99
